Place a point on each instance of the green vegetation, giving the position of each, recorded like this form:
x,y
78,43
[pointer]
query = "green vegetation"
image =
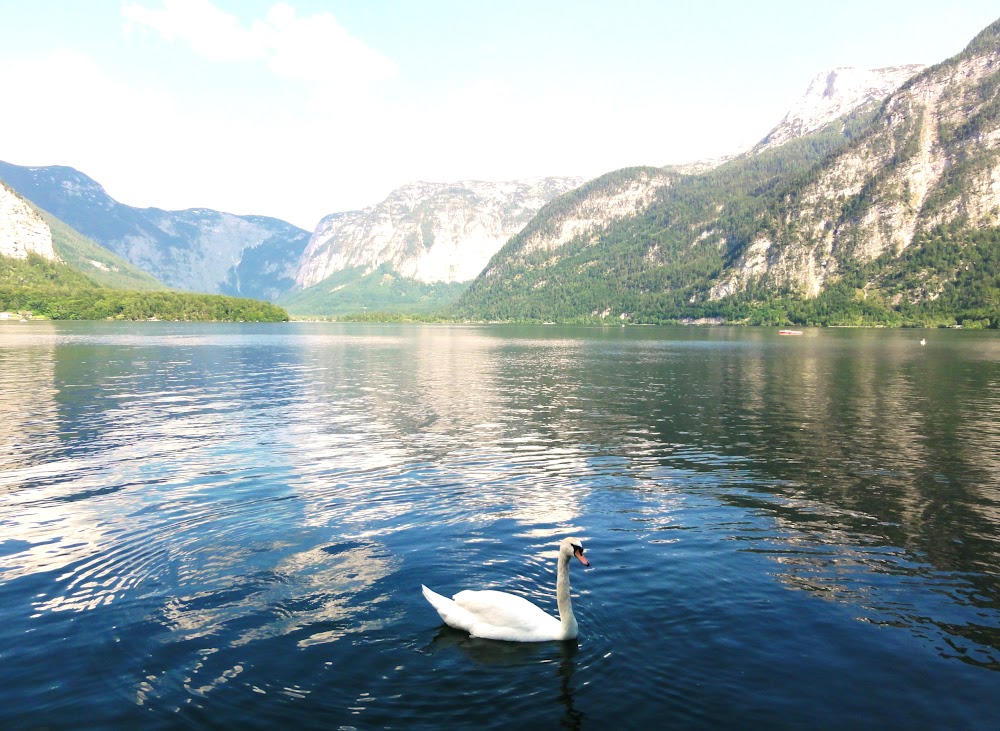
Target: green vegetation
x,y
60,292
376,316
348,293
949,276
655,265
660,266
946,277
102,266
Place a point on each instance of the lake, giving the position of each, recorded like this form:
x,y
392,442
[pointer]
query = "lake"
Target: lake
x,y
227,526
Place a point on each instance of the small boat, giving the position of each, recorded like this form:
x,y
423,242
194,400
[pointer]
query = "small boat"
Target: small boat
x,y
789,332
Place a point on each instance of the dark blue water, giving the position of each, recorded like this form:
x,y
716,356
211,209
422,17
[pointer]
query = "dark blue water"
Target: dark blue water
x,y
227,526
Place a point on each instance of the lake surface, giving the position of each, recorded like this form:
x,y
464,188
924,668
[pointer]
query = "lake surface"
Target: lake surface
x,y
227,526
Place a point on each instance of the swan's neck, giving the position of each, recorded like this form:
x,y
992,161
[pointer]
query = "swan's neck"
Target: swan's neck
x,y
566,618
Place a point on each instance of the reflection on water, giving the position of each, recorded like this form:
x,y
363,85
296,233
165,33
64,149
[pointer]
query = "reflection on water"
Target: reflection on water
x,y
228,525
882,460
560,657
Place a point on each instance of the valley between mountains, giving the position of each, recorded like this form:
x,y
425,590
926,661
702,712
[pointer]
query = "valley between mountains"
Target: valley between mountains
x,y
875,201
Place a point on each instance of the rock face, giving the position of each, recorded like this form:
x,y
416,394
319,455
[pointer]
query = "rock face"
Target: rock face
x,y
583,216
865,166
433,232
22,230
930,157
430,232
198,250
834,93
590,211
627,194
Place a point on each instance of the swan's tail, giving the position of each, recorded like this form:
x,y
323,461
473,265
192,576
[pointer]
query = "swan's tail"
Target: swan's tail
x,y
434,598
452,614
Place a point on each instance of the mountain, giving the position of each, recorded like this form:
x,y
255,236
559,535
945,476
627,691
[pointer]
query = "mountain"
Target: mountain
x,y
880,213
95,262
831,94
47,269
430,232
834,93
22,229
930,157
26,230
197,250
424,236
356,292
35,286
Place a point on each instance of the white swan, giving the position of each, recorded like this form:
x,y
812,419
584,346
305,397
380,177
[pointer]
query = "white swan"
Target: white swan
x,y
497,615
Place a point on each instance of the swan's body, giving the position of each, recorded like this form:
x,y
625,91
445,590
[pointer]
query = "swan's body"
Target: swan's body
x,y
497,615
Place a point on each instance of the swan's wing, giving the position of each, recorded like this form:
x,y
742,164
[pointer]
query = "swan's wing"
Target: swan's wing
x,y
507,611
452,614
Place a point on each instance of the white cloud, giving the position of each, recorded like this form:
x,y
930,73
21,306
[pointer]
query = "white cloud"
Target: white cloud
x,y
327,144
67,107
314,48
210,32
317,48
171,152
491,130
144,148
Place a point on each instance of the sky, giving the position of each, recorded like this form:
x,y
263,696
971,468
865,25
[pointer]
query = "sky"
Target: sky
x,y
302,108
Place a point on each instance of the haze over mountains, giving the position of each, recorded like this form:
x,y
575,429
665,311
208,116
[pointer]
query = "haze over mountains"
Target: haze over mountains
x,y
430,232
834,93
860,167
197,250
427,232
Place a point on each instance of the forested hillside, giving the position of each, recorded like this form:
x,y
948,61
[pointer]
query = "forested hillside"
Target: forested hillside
x,y
100,265
57,291
649,266
351,292
888,215
197,250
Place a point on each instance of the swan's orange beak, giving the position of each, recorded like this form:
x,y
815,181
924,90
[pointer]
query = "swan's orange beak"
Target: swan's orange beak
x,y
578,552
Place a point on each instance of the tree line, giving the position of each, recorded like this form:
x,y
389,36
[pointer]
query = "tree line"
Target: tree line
x,y
58,292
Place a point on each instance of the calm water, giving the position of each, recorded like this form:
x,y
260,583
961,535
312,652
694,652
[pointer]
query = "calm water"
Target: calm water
x,y
227,526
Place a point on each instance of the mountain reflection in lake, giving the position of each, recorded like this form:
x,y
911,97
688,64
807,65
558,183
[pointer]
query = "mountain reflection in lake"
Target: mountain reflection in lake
x,y
228,525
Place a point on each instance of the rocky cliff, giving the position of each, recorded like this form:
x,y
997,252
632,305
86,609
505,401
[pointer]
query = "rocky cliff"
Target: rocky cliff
x,y
821,198
588,214
22,230
930,157
834,93
429,232
626,194
582,217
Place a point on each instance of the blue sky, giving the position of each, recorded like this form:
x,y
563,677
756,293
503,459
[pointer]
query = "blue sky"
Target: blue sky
x,y
302,108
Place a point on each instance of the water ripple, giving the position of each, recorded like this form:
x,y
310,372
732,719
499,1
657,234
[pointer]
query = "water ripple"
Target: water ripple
x,y
218,526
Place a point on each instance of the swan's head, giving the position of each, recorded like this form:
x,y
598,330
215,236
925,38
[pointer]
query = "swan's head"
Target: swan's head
x,y
573,547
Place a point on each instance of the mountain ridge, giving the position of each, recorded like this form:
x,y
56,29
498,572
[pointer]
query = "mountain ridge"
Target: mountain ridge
x,y
197,249
807,207
429,232
833,93
890,184
785,222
